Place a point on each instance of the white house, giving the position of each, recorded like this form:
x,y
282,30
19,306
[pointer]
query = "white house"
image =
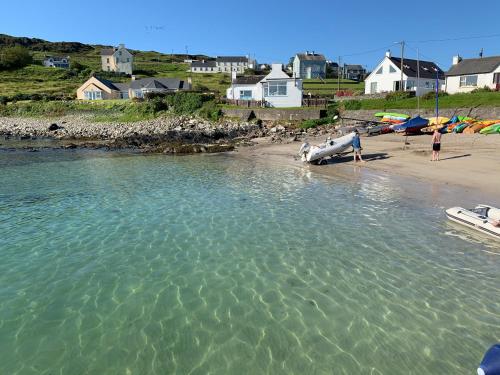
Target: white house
x,y
56,62
309,65
224,64
386,77
118,60
277,89
469,74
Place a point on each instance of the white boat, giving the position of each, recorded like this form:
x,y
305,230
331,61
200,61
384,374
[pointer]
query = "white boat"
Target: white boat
x,y
317,154
483,218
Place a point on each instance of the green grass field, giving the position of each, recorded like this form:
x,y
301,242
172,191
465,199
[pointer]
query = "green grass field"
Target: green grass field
x,y
330,86
483,99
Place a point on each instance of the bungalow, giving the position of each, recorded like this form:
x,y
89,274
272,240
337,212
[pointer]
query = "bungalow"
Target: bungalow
x,y
309,65
469,74
56,62
204,67
277,89
386,77
101,89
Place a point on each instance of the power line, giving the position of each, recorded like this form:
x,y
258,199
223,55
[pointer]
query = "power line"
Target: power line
x,y
367,52
458,38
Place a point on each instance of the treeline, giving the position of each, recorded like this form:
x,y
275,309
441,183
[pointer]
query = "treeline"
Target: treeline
x,y
35,44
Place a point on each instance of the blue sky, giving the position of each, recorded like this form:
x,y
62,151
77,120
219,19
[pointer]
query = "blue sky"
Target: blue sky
x,y
271,30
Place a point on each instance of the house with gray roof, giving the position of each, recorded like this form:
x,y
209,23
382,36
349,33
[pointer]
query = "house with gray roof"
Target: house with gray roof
x,y
56,62
309,65
418,76
353,71
466,75
224,64
96,88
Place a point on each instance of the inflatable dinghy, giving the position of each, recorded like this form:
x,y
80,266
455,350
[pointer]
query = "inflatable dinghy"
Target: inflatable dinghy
x,y
332,147
483,218
490,365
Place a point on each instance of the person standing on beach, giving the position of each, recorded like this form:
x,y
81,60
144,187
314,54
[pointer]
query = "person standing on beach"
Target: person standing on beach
x,y
356,145
436,145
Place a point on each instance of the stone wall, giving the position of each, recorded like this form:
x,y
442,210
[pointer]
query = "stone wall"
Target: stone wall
x,y
267,114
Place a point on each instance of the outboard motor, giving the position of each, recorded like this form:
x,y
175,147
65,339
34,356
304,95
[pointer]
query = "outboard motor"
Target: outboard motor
x,y
490,365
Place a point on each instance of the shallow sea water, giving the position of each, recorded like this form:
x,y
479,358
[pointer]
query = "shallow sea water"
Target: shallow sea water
x,y
128,264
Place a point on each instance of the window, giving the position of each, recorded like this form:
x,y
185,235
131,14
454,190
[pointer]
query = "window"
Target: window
x,y
138,94
128,59
245,94
380,71
410,85
468,81
275,88
92,95
391,69
107,60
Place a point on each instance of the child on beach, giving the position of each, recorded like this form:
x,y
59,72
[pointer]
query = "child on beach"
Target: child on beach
x,y
436,145
356,145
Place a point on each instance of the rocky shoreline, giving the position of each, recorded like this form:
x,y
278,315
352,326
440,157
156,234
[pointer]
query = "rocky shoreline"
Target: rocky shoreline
x,y
167,135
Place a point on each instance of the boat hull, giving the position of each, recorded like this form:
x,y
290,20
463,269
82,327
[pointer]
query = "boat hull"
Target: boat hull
x,y
473,220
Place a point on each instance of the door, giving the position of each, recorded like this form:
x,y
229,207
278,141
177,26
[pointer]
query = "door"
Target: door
x,y
397,85
496,80
373,88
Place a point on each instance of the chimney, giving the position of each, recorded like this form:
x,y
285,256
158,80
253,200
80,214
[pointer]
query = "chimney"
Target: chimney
x,y
121,46
388,53
233,76
190,83
276,67
132,77
456,59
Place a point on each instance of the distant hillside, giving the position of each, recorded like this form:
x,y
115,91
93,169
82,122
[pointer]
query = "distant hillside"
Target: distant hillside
x,y
35,44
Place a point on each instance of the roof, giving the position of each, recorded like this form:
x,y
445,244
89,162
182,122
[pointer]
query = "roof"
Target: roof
x,y
311,57
249,80
157,83
353,67
121,86
427,68
474,66
56,58
203,64
107,51
107,83
232,59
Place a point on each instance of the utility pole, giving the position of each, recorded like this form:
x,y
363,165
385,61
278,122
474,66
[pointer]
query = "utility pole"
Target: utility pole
x,y
402,65
418,80
338,76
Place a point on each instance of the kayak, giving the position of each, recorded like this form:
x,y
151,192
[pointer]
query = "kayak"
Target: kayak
x,y
391,114
451,127
430,129
465,119
412,126
492,129
460,127
477,127
438,120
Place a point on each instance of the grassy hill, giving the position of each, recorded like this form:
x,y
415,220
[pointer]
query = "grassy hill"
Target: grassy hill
x,y
41,80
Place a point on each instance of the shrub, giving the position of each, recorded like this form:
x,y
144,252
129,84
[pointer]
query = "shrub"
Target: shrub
x,y
145,72
399,95
482,89
186,102
15,58
3,100
77,67
211,111
432,94
332,109
316,122
200,88
352,105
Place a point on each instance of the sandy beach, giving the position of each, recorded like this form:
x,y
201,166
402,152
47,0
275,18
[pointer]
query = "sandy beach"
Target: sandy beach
x,y
468,162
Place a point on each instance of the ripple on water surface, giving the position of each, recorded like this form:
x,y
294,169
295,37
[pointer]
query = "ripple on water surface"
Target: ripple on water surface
x,y
122,264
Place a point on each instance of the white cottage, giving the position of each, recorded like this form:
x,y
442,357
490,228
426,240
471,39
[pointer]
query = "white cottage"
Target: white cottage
x,y
469,74
386,77
277,89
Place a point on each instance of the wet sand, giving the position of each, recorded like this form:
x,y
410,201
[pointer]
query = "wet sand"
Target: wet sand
x,y
469,165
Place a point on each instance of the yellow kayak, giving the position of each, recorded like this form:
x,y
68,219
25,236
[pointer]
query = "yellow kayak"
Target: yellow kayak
x,y
438,120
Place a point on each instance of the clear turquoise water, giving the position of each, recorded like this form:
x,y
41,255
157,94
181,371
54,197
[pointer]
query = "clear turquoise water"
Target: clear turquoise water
x,y
127,264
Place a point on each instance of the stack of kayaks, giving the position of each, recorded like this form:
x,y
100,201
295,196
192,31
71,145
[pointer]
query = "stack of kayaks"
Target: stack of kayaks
x,y
460,127
438,120
479,125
